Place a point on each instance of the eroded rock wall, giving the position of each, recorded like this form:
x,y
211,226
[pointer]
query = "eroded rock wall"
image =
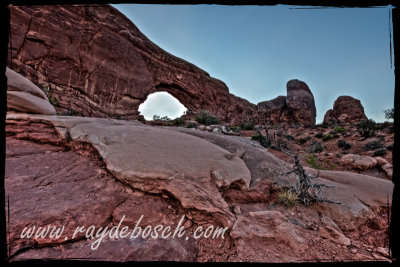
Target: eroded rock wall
x,y
97,63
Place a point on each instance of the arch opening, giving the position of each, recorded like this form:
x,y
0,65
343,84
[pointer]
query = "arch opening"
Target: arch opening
x,y
161,104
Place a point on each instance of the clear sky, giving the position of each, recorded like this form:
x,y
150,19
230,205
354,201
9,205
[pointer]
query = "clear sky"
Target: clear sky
x,y
255,50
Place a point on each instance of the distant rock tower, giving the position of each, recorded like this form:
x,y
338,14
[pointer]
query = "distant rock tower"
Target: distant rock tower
x,y
297,107
346,109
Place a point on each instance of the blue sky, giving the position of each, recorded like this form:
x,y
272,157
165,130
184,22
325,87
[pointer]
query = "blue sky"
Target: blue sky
x,y
255,50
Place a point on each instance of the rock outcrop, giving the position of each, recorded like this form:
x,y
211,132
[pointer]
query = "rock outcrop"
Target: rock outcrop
x,y
346,109
297,107
23,96
94,171
359,162
97,63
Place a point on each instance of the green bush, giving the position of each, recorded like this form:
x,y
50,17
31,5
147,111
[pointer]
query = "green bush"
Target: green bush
x,y
261,139
205,118
312,162
246,126
257,137
327,137
53,100
236,129
339,129
179,121
158,118
366,128
316,147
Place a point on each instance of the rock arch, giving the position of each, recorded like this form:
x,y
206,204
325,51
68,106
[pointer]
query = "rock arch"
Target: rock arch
x,y
97,63
162,103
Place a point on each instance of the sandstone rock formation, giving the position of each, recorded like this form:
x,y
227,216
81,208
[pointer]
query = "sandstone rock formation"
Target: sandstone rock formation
x,y
93,171
346,109
24,96
297,107
97,63
359,162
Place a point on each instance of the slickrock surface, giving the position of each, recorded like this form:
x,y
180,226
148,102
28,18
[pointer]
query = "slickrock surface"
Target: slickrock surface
x,y
88,171
24,96
297,107
97,63
346,109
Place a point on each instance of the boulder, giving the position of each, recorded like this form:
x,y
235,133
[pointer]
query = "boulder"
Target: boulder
x,y
16,82
27,103
388,168
381,161
24,96
145,158
346,109
359,162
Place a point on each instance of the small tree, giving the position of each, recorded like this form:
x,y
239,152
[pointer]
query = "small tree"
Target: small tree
x,y
389,114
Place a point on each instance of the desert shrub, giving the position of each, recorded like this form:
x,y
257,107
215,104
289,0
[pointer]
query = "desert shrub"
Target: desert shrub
x,y
343,144
303,140
312,162
205,118
191,125
236,129
316,147
179,121
372,145
319,135
386,126
246,126
327,137
53,100
339,129
389,147
287,198
366,128
279,133
380,152
265,142
335,135
289,137
158,118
